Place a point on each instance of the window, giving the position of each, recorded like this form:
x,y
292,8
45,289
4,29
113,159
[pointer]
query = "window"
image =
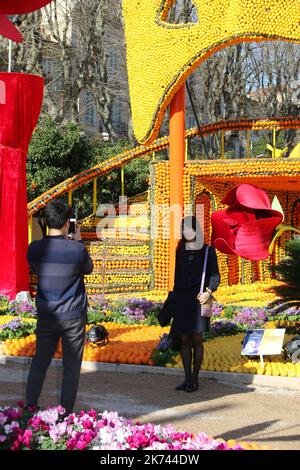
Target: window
x,y
191,122
53,74
112,62
89,116
116,112
75,35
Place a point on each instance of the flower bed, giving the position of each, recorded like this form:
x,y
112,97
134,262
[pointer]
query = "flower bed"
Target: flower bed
x,y
136,338
47,430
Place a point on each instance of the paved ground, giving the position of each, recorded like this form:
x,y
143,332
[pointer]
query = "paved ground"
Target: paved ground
x,y
245,413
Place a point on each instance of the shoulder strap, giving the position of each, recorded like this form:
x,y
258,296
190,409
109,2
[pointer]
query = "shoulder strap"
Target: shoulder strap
x,y
204,269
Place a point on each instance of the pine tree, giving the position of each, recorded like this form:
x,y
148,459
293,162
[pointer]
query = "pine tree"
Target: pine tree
x,y
288,271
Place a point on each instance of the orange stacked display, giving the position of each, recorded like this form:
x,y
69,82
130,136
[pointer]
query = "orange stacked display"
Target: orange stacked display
x,y
205,184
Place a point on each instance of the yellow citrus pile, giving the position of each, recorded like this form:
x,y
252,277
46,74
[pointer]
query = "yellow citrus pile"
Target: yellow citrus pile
x,y
120,250
122,280
127,227
253,295
223,354
122,264
248,445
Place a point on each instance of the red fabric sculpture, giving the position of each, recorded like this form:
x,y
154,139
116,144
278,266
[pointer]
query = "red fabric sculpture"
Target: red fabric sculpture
x,y
12,7
247,227
20,106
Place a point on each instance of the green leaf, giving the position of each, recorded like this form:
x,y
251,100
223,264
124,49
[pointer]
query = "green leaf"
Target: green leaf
x,y
280,230
276,206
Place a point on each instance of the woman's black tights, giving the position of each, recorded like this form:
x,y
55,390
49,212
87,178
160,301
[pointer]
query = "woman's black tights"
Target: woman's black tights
x,y
191,348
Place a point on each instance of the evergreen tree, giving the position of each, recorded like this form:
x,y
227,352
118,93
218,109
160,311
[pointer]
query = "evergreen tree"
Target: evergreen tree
x,y
288,271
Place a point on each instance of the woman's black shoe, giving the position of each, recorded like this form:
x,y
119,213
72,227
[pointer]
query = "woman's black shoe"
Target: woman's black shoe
x,y
191,387
182,386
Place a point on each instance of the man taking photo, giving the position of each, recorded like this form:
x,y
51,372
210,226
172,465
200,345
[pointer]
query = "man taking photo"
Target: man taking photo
x,y
60,264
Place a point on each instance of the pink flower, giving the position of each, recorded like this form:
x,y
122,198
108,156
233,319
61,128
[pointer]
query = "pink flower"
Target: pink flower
x,y
237,447
57,431
71,443
26,438
2,438
92,414
81,445
13,413
60,410
87,424
15,446
20,404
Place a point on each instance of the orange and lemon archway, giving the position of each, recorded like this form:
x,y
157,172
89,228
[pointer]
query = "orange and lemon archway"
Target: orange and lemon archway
x,y
161,56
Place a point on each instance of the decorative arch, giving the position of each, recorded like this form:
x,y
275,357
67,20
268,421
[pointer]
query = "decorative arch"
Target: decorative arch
x,y
161,56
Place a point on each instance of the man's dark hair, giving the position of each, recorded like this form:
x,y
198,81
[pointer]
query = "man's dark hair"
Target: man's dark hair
x,y
57,212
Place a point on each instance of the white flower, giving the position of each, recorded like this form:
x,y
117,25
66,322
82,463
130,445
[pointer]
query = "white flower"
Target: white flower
x,y
3,419
10,427
106,436
158,446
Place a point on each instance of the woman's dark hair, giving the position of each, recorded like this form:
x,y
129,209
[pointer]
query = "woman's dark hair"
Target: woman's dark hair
x,y
188,221
57,212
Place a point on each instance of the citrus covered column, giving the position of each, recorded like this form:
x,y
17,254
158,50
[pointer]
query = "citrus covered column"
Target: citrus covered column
x,y
177,153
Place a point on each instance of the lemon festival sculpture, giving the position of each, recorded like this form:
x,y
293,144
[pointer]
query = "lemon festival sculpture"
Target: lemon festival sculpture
x,y
161,55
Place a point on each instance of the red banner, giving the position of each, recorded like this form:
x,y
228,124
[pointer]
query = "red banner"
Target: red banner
x,y
20,105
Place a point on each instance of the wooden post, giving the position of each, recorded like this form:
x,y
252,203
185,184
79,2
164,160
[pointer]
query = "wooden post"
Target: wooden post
x,y
274,141
30,223
186,154
122,181
248,143
177,155
222,145
94,196
70,197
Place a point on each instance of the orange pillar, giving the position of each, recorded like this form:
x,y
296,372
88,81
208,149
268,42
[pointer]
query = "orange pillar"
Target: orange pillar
x,y
177,153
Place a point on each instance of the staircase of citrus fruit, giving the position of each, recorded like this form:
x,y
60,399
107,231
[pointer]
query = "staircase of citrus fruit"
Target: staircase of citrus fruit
x,y
120,248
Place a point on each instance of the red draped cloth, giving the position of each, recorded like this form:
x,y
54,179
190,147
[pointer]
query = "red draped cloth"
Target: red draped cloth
x,y
20,105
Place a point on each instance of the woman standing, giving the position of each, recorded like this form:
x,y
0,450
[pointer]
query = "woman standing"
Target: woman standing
x,y
187,323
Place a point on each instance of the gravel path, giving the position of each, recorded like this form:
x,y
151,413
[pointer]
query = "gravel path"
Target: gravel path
x,y
244,413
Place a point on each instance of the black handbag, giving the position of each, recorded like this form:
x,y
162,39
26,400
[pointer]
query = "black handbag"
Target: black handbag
x,y
165,317
205,310
166,313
